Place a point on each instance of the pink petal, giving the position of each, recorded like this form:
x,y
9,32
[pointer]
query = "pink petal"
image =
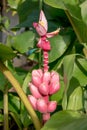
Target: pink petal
x,y
41,30
33,101
41,106
34,91
52,106
41,27
54,87
49,35
44,89
43,19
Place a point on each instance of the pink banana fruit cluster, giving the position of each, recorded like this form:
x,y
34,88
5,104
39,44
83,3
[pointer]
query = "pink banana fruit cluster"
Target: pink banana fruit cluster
x,y
44,83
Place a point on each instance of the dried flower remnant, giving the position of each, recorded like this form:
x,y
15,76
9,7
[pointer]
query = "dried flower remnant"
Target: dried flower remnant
x,y
44,83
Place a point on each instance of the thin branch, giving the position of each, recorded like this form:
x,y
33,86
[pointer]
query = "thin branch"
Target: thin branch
x,y
6,122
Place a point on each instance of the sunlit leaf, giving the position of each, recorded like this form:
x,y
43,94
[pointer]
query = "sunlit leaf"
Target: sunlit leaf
x,y
75,101
59,44
23,41
84,12
66,120
80,71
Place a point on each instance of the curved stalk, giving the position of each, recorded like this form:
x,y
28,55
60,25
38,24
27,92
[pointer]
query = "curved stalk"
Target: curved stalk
x,y
6,124
21,94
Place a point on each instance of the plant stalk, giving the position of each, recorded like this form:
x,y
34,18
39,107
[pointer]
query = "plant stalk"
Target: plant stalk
x,y
21,94
6,122
40,4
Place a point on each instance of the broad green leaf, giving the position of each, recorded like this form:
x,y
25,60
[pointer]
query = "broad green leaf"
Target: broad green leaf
x,y
75,100
59,44
26,8
14,103
28,22
65,5
84,12
16,118
25,86
73,8
13,4
23,41
55,3
73,13
80,71
6,53
18,73
25,118
66,120
68,64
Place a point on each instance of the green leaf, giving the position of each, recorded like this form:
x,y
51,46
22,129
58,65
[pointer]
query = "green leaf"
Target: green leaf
x,y
80,71
26,8
25,118
74,14
25,86
66,120
28,22
16,118
13,4
68,64
6,53
59,44
84,12
23,41
55,3
14,103
75,100
73,8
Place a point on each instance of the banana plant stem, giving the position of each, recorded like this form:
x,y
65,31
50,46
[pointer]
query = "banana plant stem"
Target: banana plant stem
x,y
21,94
5,97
